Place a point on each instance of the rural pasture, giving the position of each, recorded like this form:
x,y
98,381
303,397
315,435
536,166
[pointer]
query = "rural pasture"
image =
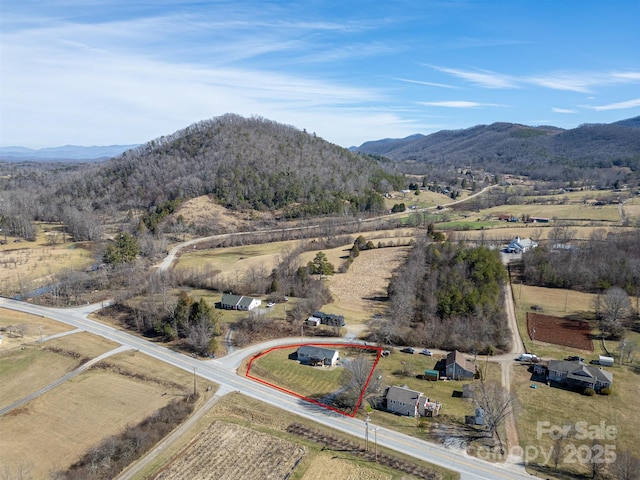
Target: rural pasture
x,y
559,331
52,431
26,265
562,407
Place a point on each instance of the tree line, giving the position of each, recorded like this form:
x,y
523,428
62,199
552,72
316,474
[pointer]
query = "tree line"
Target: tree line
x,y
449,296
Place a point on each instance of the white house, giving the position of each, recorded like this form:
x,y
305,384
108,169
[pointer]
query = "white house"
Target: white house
x,y
239,302
318,355
521,245
412,403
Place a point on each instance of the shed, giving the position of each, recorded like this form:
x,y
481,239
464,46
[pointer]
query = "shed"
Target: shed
x,y
431,375
605,361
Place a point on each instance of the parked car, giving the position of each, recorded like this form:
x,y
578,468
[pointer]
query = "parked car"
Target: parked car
x,y
408,350
574,358
426,352
271,304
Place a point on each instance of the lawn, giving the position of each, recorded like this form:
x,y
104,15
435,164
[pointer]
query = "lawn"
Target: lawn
x,y
560,407
314,382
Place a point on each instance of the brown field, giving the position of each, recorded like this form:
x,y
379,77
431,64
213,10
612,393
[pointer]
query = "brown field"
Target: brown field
x,y
236,412
559,331
27,265
340,469
358,292
32,331
54,430
230,452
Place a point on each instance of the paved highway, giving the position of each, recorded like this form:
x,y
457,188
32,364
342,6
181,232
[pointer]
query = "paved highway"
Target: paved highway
x,y
223,372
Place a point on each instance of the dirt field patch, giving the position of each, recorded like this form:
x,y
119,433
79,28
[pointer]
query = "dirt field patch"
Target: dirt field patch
x,y
559,331
227,451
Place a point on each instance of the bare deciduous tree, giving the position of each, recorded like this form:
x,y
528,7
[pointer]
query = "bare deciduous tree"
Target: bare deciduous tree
x,y
625,467
497,404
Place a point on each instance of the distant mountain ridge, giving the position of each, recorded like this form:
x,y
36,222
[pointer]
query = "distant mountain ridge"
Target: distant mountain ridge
x,y
67,152
543,152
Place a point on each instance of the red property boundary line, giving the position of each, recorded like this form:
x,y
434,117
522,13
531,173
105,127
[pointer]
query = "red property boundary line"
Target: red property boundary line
x,y
311,400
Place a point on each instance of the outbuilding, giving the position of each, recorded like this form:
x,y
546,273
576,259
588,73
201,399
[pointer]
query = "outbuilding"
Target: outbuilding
x,y
605,361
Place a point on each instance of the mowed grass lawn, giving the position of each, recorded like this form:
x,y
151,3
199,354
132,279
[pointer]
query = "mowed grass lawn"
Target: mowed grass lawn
x,y
314,382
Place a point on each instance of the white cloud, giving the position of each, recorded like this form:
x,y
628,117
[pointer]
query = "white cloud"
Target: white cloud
x,y
563,110
459,104
616,106
482,78
428,84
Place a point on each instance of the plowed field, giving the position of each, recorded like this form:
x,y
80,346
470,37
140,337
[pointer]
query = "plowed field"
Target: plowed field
x,y
559,331
231,452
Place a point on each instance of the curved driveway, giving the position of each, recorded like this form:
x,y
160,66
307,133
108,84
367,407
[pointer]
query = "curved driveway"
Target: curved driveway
x,y
223,373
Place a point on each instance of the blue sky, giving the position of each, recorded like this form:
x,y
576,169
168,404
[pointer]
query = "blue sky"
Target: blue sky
x,y
124,71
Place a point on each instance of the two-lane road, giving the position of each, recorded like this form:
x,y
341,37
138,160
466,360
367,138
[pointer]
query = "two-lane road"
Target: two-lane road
x,y
223,372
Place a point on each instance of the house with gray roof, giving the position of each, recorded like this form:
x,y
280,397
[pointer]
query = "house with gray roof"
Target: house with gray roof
x,y
576,373
230,301
404,401
314,355
458,367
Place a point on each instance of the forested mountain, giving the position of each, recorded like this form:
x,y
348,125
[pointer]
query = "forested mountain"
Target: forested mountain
x,y
249,163
547,153
245,163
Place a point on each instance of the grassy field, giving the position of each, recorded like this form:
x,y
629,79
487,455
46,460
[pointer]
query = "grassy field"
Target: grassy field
x,y
87,408
605,213
559,406
27,265
557,302
33,326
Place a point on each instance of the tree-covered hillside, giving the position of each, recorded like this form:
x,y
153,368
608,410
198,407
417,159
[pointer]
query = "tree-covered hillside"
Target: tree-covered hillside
x,y
245,163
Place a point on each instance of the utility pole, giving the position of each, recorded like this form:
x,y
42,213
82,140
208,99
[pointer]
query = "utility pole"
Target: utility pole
x,y
40,328
375,441
194,380
366,433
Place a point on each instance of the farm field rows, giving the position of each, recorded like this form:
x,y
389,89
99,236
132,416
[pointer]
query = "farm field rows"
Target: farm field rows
x,y
229,452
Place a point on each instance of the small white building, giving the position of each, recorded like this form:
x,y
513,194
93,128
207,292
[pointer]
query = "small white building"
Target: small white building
x,y
521,245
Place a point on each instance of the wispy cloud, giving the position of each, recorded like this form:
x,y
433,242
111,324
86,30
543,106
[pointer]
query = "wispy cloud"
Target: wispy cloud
x,y
460,104
428,84
481,78
616,106
563,110
582,82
